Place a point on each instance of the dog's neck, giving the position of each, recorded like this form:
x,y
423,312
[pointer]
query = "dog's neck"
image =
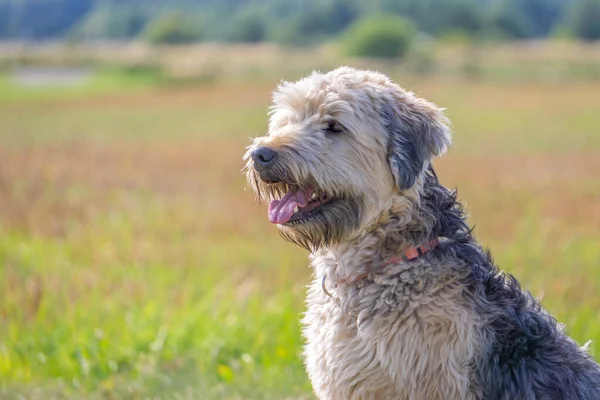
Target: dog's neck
x,y
411,219
391,234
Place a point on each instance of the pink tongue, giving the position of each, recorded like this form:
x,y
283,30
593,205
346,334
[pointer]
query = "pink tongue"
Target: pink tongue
x,y
280,211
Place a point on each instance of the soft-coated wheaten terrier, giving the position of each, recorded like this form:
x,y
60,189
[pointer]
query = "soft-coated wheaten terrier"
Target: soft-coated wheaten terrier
x,y
405,304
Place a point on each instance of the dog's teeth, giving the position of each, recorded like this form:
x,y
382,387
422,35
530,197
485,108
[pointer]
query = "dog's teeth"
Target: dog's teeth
x,y
313,196
296,209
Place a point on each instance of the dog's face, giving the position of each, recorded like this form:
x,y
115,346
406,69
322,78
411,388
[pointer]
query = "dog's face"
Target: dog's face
x,y
339,148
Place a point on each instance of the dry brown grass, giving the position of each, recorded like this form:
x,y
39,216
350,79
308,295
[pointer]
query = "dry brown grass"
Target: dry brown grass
x,y
45,187
37,183
501,190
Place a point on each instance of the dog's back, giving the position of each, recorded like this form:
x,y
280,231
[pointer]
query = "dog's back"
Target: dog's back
x,y
529,356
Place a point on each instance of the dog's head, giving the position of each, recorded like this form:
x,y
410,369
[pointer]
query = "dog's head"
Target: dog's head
x,y
340,148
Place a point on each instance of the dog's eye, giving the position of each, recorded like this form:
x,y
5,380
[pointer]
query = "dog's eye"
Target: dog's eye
x,y
333,127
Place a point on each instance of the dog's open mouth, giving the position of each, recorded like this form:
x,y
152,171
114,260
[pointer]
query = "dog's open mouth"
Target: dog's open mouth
x,y
298,205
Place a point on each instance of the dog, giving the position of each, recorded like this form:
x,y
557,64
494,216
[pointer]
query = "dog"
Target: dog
x,y
405,303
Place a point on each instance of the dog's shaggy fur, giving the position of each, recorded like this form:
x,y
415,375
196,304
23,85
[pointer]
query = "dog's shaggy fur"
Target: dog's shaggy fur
x,y
447,325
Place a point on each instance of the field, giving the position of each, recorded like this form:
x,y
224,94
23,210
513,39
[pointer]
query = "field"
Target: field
x,y
134,265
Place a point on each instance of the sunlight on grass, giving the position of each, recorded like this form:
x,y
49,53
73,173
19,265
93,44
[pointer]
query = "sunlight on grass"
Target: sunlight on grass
x,y
100,82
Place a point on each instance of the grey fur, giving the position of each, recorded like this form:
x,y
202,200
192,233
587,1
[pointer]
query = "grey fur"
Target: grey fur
x,y
527,354
411,142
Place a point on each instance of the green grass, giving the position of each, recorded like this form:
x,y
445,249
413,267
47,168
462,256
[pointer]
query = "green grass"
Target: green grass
x,y
102,81
133,265
82,314
167,122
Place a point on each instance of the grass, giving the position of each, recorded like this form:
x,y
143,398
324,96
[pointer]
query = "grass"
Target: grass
x,y
101,81
133,264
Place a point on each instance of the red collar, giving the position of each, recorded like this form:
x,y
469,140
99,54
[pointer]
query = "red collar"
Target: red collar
x,y
415,252
409,255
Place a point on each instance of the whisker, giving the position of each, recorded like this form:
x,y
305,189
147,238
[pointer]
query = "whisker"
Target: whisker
x,y
257,187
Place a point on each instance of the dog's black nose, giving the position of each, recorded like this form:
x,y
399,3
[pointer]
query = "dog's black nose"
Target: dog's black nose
x,y
263,156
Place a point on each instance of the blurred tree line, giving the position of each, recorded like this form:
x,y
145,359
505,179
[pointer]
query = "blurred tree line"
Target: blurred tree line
x,y
294,22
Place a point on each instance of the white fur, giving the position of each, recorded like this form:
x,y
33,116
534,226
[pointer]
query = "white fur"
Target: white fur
x,y
387,339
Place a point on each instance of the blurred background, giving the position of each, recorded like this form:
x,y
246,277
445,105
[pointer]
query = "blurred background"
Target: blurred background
x,y
133,263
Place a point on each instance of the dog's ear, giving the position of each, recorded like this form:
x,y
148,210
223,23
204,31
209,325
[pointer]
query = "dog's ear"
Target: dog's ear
x,y
417,132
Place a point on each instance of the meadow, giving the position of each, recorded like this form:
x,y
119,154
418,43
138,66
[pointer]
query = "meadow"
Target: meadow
x,y
135,265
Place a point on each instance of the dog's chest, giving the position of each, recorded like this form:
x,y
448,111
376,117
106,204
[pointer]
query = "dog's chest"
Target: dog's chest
x,y
375,343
